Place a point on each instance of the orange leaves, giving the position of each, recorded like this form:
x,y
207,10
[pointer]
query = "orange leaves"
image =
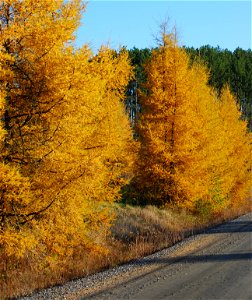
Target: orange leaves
x,y
67,144
115,68
66,128
237,144
189,138
167,126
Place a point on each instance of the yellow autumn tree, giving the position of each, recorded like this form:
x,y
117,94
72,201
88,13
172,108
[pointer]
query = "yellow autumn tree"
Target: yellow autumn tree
x,y
227,155
91,153
185,146
34,34
15,195
173,128
33,53
238,149
66,130
204,158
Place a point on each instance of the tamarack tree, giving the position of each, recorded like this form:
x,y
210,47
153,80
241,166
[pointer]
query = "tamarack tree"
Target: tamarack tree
x,y
66,136
237,146
186,152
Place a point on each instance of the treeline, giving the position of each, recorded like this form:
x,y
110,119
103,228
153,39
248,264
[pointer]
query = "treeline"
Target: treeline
x,y
67,147
225,67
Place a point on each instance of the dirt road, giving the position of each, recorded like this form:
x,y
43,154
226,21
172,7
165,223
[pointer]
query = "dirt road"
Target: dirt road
x,y
214,265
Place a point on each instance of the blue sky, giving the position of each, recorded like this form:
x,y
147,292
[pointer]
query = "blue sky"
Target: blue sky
x,y
135,23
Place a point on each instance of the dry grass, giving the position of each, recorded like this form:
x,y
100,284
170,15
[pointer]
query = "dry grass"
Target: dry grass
x,y
137,231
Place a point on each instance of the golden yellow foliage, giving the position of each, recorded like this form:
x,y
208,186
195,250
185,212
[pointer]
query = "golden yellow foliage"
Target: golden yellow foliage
x,y
90,156
189,138
34,36
66,129
15,196
238,151
171,163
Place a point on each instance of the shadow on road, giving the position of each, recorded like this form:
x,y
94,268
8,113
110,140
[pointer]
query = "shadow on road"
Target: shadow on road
x,y
199,258
163,262
232,227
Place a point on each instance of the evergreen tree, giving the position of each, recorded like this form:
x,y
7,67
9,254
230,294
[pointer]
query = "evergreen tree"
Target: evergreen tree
x,y
137,58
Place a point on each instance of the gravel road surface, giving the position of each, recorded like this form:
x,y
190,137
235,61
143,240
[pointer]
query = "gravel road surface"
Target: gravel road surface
x,y
216,264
